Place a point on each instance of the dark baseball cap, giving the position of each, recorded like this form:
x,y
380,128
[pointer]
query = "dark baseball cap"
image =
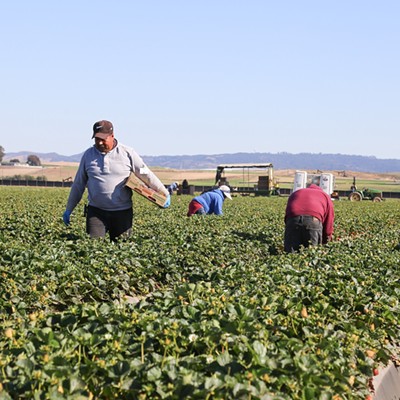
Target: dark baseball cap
x,y
102,129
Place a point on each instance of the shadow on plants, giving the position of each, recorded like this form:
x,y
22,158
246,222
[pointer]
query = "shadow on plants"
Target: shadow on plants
x,y
260,237
69,236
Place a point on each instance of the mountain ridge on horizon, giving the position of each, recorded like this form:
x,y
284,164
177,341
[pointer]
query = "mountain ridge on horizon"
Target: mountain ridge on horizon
x,y
281,160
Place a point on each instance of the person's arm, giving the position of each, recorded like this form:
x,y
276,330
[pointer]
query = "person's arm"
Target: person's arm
x,y
328,223
218,205
76,193
287,209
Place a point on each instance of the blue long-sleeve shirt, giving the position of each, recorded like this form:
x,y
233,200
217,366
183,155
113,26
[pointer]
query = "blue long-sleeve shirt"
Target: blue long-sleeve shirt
x,y
105,176
211,201
172,187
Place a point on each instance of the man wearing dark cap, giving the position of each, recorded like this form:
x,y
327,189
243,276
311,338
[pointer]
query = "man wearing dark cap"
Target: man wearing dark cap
x,y
104,170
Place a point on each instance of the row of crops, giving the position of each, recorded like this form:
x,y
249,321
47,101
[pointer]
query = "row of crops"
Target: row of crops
x,y
194,308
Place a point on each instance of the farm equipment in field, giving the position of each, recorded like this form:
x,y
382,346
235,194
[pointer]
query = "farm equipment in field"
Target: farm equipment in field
x,y
364,194
265,186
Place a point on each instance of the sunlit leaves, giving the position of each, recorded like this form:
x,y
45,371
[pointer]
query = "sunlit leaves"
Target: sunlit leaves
x,y
194,307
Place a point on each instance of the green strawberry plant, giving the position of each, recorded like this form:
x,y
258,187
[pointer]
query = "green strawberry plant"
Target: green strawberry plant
x,y
201,308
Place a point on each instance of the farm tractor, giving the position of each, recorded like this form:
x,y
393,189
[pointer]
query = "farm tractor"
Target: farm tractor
x,y
365,194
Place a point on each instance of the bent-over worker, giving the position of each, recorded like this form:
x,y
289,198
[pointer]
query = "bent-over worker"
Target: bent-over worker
x,y
172,187
210,202
309,218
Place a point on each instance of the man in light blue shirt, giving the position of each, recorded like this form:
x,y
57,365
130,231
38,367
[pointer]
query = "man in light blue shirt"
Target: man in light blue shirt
x,y
104,170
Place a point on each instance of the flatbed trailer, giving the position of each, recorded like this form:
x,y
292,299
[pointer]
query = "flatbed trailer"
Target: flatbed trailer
x,y
265,186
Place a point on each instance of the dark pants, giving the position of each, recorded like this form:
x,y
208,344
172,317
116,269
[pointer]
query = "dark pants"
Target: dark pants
x,y
116,223
303,230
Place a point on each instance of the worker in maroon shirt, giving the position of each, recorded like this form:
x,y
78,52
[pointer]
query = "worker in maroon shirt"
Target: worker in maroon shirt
x,y
308,219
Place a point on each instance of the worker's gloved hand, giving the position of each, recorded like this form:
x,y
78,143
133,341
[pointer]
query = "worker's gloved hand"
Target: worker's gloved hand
x,y
66,217
167,202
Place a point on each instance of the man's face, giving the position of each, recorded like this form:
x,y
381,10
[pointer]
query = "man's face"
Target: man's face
x,y
104,145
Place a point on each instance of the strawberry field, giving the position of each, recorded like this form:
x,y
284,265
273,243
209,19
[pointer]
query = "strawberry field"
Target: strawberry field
x,y
194,308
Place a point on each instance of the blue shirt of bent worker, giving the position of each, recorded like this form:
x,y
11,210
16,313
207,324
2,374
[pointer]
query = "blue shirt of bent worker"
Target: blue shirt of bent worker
x,y
211,201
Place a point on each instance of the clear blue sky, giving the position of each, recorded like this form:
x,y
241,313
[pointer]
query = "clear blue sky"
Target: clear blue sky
x,y
202,77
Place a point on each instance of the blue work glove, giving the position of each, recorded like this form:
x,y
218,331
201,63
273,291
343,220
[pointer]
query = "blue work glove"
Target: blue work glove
x,y
167,202
66,217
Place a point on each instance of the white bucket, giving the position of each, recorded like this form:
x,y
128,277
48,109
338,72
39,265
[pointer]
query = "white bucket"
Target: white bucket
x,y
300,180
326,183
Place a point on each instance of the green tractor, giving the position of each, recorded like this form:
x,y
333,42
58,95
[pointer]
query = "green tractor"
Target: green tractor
x,y
365,194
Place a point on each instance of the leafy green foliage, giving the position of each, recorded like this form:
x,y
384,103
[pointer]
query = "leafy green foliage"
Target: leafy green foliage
x,y
199,308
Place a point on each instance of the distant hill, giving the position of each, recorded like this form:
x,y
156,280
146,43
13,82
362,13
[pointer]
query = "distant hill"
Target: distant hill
x,y
44,157
308,161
